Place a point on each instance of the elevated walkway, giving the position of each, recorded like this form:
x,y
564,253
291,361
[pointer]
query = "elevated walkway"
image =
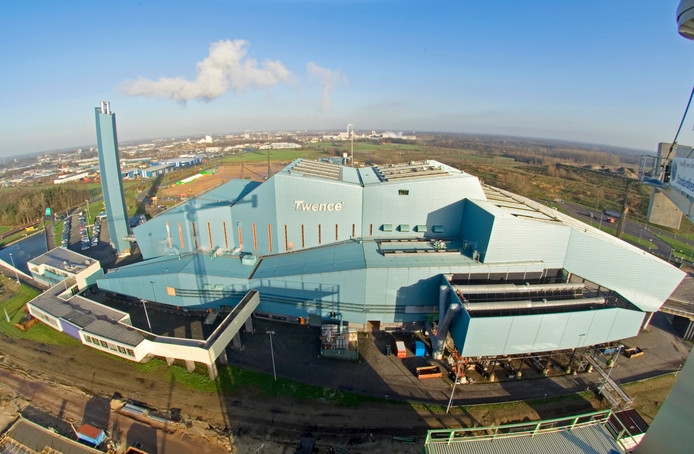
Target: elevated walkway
x,y
610,389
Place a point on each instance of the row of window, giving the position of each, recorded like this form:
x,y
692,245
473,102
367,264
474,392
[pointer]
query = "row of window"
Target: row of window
x,y
45,318
108,345
289,245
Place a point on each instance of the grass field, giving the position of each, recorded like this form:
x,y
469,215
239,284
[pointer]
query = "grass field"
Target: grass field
x,y
14,304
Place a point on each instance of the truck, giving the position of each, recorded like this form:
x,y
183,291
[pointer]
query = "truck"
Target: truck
x,y
612,214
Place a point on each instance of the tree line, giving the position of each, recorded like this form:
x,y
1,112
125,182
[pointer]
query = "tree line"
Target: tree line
x,y
25,205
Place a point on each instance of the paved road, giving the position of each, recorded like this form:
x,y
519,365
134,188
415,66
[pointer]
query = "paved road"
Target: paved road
x,y
384,376
643,230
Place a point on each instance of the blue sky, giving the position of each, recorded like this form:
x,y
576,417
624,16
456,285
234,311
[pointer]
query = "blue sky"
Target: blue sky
x,y
606,72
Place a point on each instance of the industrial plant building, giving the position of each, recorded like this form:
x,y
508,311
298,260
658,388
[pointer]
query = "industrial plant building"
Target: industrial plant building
x,y
411,246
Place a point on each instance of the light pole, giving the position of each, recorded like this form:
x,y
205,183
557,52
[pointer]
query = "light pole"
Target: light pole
x,y
16,275
350,127
272,354
154,290
450,401
144,306
89,215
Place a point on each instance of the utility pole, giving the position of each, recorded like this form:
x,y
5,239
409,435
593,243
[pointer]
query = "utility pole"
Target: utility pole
x,y
350,131
16,275
621,222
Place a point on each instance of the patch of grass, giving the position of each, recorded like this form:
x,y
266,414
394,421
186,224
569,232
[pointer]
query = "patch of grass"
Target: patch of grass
x,y
5,228
275,156
681,249
15,303
150,366
643,244
233,379
15,306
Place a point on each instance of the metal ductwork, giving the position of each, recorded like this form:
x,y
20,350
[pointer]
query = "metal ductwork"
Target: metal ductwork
x,y
443,299
453,309
528,304
515,288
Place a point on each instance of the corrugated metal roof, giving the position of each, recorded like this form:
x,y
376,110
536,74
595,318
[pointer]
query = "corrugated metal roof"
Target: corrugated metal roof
x,y
79,318
63,259
118,333
415,169
38,438
369,176
337,257
354,255
585,440
502,203
196,263
316,169
50,303
351,175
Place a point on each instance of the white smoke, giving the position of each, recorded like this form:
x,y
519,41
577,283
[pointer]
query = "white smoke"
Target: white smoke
x,y
328,78
227,67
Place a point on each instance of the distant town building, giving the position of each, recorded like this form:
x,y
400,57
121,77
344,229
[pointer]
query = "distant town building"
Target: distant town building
x,y
70,177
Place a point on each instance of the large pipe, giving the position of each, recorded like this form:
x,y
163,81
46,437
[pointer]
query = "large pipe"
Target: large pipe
x,y
514,288
453,309
528,304
443,299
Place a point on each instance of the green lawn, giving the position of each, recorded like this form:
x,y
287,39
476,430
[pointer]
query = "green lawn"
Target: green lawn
x,y
682,249
275,156
14,303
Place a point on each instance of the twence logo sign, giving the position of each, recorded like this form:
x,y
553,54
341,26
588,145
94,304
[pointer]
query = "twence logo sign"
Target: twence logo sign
x,y
300,205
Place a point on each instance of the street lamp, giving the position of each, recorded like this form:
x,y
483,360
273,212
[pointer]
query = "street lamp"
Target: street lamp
x,y
350,134
144,306
16,275
89,215
272,354
450,401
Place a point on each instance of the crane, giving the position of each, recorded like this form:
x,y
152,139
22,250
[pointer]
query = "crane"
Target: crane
x,y
671,172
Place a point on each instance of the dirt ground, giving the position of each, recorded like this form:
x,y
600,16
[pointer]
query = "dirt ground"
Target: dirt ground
x,y
45,376
269,426
222,174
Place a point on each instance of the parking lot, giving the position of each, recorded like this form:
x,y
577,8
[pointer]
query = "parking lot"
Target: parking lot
x,y
296,350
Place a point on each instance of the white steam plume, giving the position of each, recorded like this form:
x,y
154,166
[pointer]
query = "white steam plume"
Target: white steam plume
x,y
328,78
227,67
